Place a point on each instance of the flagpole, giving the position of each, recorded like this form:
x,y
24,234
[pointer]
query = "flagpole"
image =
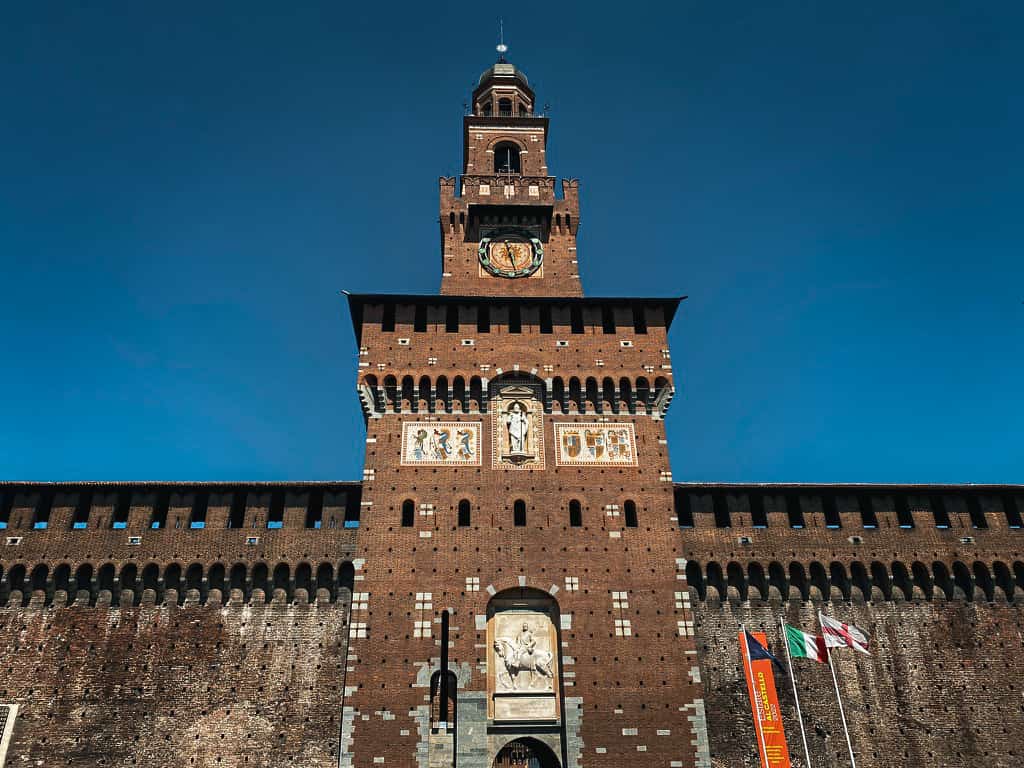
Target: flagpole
x,y
839,698
757,699
796,696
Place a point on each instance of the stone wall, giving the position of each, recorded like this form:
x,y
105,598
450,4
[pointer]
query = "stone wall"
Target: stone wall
x,y
257,685
943,686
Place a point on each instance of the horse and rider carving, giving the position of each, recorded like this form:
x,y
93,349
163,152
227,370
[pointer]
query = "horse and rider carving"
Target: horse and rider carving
x,y
521,654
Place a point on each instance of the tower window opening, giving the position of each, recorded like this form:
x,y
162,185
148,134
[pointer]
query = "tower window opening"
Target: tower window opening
x,y
977,515
545,319
451,319
6,503
506,158
607,320
505,107
939,510
576,319
121,509
408,513
639,320
904,519
629,511
200,504
236,518
315,510
868,519
575,514
758,518
519,513
81,519
832,520
720,508
419,318
1013,518
483,319
388,319
464,513
684,511
275,515
794,512
159,519
486,109
515,321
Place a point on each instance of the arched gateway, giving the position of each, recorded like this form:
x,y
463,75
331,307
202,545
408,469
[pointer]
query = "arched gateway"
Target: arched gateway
x,y
525,753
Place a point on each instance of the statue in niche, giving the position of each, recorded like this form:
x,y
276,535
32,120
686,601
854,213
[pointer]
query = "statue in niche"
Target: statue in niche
x,y
517,423
520,654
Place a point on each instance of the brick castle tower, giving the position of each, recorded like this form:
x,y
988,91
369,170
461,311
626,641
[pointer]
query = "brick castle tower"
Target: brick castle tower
x,y
520,594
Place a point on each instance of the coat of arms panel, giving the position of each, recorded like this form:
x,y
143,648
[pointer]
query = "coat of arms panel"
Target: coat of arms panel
x,y
581,444
441,443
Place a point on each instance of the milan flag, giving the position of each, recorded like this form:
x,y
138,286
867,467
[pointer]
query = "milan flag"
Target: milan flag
x,y
839,635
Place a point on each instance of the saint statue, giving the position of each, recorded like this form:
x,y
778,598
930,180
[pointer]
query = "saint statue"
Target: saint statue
x,y
517,422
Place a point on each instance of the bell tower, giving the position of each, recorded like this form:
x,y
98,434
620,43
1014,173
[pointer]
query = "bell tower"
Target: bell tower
x,y
520,596
504,230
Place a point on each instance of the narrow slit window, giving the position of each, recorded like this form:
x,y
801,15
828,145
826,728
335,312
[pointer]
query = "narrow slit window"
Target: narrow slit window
x,y
629,512
576,319
639,320
483,319
519,513
464,513
607,320
758,517
451,319
575,514
419,318
408,513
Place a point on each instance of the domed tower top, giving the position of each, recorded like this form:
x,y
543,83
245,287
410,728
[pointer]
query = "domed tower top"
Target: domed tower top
x,y
503,91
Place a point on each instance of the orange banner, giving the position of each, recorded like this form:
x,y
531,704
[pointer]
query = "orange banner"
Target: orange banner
x,y
771,739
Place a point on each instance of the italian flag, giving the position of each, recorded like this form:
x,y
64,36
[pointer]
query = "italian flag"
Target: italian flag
x,y
805,646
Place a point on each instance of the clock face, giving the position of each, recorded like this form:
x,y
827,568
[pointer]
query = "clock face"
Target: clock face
x,y
511,254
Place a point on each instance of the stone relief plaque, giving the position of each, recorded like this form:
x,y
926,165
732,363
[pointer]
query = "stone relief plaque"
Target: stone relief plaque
x,y
523,657
579,444
517,429
441,443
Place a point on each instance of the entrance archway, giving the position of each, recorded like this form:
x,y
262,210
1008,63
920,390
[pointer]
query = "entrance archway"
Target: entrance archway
x,y
526,753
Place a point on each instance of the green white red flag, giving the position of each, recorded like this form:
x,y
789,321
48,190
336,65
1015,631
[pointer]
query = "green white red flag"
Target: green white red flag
x,y
839,635
805,646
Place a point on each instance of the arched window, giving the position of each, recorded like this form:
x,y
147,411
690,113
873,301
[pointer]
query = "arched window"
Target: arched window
x,y
629,512
487,108
519,513
575,514
506,158
408,513
464,512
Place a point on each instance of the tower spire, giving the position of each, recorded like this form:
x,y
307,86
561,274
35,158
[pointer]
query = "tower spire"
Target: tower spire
x,y
501,47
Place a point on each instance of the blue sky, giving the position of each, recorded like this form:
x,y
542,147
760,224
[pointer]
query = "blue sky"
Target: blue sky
x,y
186,190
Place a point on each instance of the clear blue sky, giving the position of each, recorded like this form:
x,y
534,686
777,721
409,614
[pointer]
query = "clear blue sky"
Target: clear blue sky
x,y
185,190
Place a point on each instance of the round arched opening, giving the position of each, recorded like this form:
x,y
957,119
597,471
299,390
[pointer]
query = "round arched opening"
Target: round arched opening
x,y
526,753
